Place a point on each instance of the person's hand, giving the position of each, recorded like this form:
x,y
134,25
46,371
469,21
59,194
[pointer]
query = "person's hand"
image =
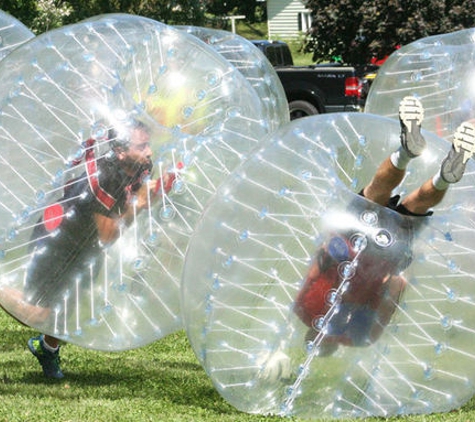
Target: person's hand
x,y
145,195
151,190
164,184
275,366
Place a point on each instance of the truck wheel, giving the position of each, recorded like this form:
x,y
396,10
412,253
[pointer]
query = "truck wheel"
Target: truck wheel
x,y
300,108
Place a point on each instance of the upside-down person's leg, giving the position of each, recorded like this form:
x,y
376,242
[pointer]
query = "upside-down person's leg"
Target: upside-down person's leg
x,y
451,171
392,170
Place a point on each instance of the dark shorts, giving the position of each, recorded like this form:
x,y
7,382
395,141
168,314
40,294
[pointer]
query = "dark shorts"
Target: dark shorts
x,y
59,265
394,204
352,324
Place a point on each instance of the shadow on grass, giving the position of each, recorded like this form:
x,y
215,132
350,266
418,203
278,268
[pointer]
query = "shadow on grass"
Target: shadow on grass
x,y
161,373
181,383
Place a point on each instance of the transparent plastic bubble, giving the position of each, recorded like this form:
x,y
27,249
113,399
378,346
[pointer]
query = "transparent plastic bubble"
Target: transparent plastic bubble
x,y
77,101
12,34
250,61
440,71
267,333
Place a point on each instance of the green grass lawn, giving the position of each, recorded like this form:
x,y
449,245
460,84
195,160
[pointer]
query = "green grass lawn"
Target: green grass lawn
x,y
160,382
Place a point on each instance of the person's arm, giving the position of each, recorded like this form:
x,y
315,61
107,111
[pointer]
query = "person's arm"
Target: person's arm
x,y
388,305
311,299
109,227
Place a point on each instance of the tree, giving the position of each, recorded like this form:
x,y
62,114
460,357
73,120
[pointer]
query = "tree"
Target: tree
x,y
359,30
42,15
175,12
38,15
50,15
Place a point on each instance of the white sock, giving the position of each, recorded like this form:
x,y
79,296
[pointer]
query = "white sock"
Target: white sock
x,y
439,183
48,347
400,158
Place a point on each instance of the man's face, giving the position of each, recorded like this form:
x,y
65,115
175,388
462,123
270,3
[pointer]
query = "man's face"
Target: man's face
x,y
138,155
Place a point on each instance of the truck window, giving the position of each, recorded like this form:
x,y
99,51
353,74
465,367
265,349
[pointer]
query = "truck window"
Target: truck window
x,y
279,55
272,56
287,57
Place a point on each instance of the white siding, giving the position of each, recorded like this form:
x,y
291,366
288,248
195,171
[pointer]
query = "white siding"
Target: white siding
x,y
283,18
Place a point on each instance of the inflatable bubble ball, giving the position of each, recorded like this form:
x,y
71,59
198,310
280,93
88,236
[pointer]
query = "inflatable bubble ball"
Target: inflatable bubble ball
x,y
303,298
250,61
439,70
12,34
114,134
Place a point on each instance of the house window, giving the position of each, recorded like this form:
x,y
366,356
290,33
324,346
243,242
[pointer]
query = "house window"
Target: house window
x,y
305,21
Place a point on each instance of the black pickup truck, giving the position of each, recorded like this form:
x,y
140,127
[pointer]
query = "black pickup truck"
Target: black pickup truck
x,y
314,89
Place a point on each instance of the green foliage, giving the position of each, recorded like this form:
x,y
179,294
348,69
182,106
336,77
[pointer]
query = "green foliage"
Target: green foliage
x,y
50,14
38,15
189,12
42,15
358,30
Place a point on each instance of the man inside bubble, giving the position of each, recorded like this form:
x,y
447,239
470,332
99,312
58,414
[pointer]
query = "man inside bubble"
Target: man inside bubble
x,y
68,241
354,283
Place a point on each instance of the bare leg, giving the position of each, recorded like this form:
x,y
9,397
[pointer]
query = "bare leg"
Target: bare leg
x,y
387,177
29,313
451,171
424,198
14,304
392,170
388,306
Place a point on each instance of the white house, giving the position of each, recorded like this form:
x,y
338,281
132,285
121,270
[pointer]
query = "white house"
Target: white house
x,y
287,18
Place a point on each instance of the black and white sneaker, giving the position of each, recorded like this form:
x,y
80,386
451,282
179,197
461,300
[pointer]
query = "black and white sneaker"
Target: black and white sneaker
x,y
411,114
463,147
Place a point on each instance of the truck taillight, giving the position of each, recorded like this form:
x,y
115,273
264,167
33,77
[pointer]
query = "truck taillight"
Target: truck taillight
x,y
353,87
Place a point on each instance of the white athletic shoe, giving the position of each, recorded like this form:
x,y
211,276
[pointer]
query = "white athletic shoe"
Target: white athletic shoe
x,y
411,115
463,147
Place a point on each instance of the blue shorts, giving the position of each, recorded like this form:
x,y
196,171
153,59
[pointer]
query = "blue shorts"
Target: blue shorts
x,y
352,321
